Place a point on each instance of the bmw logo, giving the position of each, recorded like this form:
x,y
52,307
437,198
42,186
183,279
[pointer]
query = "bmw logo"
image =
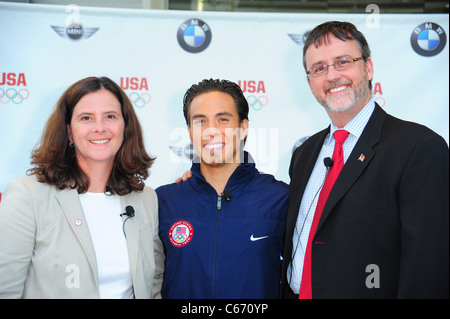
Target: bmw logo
x,y
428,39
194,35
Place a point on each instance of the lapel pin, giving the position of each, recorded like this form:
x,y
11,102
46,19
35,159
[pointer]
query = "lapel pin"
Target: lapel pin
x,y
78,222
361,158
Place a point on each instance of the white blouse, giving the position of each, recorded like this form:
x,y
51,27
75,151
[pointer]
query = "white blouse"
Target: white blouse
x,y
102,213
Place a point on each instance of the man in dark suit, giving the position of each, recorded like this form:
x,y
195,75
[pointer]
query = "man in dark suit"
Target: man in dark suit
x,y
384,229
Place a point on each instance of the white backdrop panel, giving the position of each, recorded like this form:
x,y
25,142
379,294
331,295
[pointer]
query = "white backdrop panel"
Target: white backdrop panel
x,y
139,50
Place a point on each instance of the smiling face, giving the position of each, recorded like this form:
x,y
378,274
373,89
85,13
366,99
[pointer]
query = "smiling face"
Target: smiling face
x,y
345,91
96,129
215,130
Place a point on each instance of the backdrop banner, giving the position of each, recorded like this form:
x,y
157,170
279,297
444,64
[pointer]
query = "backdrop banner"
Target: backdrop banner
x,y
156,55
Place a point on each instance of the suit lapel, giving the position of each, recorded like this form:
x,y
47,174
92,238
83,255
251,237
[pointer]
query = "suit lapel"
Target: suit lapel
x,y
357,162
71,207
302,165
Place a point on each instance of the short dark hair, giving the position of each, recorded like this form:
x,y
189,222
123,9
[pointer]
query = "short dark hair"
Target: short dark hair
x,y
343,31
211,85
54,159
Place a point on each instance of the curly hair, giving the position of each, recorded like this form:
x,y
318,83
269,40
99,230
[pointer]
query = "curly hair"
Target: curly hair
x,y
55,161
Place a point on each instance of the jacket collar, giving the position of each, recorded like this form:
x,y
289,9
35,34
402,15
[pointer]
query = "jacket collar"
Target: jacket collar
x,y
243,174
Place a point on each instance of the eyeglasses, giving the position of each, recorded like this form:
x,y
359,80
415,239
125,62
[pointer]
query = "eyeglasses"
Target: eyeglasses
x,y
339,65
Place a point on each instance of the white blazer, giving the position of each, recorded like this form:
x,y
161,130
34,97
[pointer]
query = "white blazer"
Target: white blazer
x,y
46,250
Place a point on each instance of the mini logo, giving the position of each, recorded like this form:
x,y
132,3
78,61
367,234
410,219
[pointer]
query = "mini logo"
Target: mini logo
x,y
299,39
180,233
74,32
428,39
194,35
73,29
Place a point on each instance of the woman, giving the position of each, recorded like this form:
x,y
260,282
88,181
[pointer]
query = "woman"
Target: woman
x,y
66,230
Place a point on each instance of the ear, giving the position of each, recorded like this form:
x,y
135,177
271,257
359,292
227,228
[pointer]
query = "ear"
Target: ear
x,y
369,68
69,133
244,129
190,133
309,82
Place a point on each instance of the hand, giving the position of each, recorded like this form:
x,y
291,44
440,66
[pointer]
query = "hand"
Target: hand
x,y
185,177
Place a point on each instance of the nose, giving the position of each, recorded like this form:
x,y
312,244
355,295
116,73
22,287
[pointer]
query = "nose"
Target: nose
x,y
99,125
210,131
332,74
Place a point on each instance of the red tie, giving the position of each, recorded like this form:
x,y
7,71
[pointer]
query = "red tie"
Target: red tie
x,y
338,162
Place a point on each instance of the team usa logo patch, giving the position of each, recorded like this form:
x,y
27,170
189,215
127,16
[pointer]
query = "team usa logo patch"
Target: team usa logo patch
x,y
428,39
180,233
194,35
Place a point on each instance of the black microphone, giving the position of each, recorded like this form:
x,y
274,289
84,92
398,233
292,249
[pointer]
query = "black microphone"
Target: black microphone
x,y
227,195
328,162
129,211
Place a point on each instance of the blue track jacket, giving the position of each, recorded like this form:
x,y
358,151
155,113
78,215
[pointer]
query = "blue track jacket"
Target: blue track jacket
x,y
223,246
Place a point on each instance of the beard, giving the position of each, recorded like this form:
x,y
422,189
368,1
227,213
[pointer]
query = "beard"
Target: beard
x,y
345,101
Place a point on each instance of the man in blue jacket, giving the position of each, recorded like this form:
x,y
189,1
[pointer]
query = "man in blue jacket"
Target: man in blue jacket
x,y
222,229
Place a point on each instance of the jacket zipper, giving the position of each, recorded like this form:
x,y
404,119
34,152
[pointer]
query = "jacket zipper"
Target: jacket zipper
x,y
219,203
219,207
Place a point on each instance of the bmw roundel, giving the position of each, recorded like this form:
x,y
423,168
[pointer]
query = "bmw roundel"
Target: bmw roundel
x,y
194,35
428,39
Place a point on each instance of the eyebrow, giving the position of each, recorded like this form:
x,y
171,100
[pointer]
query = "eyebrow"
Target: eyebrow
x,y
335,58
91,113
224,114
196,116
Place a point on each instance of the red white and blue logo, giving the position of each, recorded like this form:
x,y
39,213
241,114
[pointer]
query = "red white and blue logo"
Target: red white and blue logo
x,y
428,39
180,233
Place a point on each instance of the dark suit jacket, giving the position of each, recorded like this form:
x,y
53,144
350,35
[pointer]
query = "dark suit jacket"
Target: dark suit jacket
x,y
386,216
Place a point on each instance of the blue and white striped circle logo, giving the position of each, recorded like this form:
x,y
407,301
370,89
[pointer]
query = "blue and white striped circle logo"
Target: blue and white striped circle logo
x,y
428,39
194,35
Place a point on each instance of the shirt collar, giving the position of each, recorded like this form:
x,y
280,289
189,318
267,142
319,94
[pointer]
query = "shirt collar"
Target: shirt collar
x,y
357,124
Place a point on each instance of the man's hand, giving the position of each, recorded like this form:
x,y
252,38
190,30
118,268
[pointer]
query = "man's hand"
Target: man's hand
x,y
185,177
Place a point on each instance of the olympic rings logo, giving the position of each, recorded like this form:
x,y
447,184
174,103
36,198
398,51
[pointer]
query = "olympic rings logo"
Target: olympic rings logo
x,y
257,103
179,238
181,233
140,100
13,95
